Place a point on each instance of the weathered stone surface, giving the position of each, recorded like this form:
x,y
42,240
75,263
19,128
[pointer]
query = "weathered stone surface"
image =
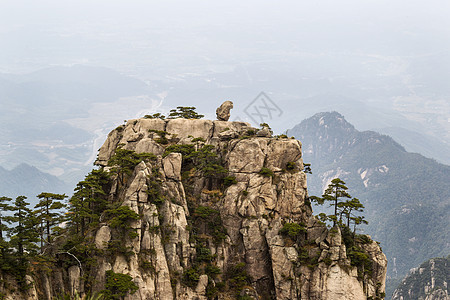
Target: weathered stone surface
x,y
148,145
74,279
222,126
223,111
334,237
228,134
108,148
177,247
264,132
172,166
196,128
169,235
144,125
379,265
284,151
248,156
102,237
342,286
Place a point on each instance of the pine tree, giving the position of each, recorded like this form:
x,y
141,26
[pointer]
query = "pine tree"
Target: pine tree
x,y
187,112
123,163
4,244
49,213
349,207
89,200
23,237
335,194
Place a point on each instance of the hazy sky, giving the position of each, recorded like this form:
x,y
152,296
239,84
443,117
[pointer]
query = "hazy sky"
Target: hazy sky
x,y
226,28
382,63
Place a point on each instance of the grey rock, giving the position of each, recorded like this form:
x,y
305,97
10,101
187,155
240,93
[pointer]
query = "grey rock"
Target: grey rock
x,y
223,111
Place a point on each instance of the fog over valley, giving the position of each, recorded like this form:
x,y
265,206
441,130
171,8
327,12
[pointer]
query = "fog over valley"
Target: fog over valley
x,y
71,71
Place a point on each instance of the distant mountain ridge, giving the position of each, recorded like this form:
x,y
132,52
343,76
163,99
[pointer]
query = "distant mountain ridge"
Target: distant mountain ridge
x,y
53,118
427,282
28,181
407,196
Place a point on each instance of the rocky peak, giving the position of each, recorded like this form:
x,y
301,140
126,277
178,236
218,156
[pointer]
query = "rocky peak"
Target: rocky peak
x,y
223,214
266,190
428,282
326,123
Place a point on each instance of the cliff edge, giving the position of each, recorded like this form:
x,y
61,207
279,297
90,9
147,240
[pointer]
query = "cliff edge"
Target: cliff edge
x,y
223,214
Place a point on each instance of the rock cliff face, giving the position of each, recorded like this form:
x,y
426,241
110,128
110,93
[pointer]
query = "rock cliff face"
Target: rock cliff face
x,y
225,221
428,282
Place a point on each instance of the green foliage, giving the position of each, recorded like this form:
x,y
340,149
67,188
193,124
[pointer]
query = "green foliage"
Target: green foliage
x,y
203,254
303,256
124,161
328,261
117,246
307,168
266,172
211,290
118,286
334,193
290,166
6,264
212,270
191,277
361,259
49,213
262,125
148,266
207,162
120,128
121,216
198,140
155,116
210,217
154,188
162,139
185,150
184,112
229,180
250,132
237,277
89,200
292,230
281,136
23,238
204,159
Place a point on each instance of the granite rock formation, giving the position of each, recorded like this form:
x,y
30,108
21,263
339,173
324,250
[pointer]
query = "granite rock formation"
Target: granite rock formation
x,y
223,111
215,230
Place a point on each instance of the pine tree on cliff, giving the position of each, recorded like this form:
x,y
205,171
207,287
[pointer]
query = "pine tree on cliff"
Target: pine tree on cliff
x,y
186,112
4,245
123,162
23,237
89,200
49,213
333,194
348,208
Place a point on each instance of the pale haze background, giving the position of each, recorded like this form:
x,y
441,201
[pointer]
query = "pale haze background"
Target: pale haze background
x,y
70,71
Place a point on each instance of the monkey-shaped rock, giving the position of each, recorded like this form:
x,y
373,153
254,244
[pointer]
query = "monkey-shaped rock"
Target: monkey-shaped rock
x,y
223,111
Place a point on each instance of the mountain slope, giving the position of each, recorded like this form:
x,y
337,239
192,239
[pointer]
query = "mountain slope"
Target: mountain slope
x,y
429,281
407,196
28,181
223,215
56,118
